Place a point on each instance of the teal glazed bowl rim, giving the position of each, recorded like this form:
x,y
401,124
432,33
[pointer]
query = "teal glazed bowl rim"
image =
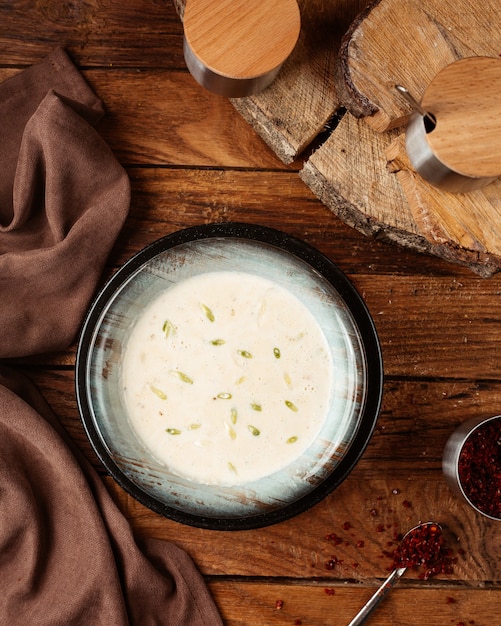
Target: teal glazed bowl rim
x,y
98,358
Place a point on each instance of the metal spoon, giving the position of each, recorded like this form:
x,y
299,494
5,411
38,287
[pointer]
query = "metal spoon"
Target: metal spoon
x,y
388,584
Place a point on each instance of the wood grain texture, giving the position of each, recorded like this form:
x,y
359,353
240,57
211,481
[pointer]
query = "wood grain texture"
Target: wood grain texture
x,y
349,174
318,605
453,221
294,109
408,42
192,159
464,98
238,39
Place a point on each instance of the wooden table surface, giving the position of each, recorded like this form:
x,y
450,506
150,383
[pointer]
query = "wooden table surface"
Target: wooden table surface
x,y
192,159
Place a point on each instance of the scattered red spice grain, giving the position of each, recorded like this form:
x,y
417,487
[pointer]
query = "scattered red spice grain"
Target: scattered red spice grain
x,y
346,526
479,468
425,547
373,512
298,622
450,600
360,543
380,528
279,604
332,562
336,539
329,591
406,504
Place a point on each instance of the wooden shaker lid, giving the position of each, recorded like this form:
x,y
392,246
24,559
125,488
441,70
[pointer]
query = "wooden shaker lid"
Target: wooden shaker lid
x,y
236,47
465,98
461,151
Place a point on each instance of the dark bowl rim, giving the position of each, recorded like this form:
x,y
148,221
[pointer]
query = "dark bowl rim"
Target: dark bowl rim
x,y
363,321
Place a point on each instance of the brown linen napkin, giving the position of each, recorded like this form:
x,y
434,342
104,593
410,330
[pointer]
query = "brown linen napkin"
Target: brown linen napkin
x,y
63,201
67,555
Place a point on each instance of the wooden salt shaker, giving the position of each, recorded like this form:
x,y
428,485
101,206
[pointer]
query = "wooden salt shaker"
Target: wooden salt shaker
x,y
461,149
236,48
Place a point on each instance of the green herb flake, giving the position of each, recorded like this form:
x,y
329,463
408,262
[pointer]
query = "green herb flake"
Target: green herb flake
x,y
168,328
173,431
224,396
182,376
287,379
195,426
291,439
234,416
232,467
231,431
158,392
245,354
218,342
290,405
255,431
256,407
277,353
208,313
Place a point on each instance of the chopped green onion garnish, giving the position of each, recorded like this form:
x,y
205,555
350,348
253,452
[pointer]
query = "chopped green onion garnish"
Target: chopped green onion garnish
x,y
291,406
208,313
291,439
234,415
168,327
231,432
276,352
256,407
255,431
182,376
173,431
245,354
287,379
224,396
194,426
232,467
218,342
158,392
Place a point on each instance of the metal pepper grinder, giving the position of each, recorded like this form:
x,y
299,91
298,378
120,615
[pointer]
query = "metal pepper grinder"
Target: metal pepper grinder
x,y
453,138
236,48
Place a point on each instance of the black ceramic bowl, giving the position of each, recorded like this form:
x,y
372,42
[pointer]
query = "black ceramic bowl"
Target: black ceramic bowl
x,y
342,317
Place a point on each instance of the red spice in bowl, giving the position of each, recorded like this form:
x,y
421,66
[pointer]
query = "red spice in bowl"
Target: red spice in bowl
x,y
479,468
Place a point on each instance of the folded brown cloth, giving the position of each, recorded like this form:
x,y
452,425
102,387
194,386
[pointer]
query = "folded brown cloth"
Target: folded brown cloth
x,y
63,200
67,554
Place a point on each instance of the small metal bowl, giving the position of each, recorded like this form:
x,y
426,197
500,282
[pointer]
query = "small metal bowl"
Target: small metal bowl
x,y
451,461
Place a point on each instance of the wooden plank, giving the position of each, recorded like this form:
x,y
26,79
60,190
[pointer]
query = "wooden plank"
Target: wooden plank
x,y
165,118
244,603
407,42
366,516
143,33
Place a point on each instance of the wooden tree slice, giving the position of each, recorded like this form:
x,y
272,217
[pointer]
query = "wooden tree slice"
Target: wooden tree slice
x,y
408,42
462,223
349,174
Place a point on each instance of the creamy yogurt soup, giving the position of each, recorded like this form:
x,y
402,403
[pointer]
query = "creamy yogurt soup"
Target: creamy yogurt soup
x,y
227,378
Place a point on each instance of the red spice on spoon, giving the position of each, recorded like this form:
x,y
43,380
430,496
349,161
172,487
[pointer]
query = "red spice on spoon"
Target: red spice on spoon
x,y
424,546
